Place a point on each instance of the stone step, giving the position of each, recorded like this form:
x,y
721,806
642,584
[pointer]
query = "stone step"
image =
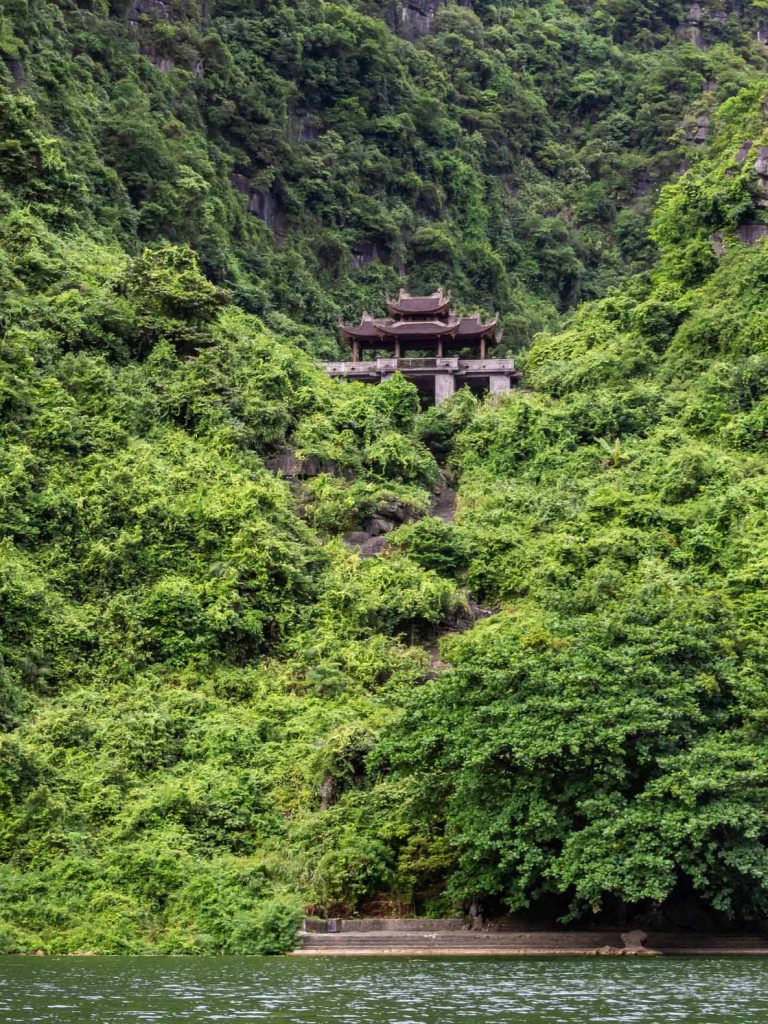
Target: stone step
x,y
459,940
500,942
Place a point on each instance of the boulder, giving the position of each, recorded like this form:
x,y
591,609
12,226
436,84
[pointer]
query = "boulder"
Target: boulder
x,y
395,511
377,525
374,546
356,538
634,944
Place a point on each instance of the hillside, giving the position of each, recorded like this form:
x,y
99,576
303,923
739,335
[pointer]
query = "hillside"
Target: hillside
x,y
213,712
310,154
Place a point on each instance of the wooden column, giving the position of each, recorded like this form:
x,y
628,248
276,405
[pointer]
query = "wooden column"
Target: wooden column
x,y
355,350
483,348
398,350
439,348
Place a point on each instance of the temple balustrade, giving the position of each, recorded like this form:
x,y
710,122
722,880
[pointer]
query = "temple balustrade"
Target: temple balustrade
x,y
447,373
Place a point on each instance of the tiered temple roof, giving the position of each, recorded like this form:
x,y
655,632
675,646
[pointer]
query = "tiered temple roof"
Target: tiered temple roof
x,y
422,322
420,306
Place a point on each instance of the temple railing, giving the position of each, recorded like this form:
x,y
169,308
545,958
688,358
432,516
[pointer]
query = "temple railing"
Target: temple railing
x,y
377,367
341,369
492,365
417,363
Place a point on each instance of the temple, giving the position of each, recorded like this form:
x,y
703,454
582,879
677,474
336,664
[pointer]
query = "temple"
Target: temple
x,y
424,339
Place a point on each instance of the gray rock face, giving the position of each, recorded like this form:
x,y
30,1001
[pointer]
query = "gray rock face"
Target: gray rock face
x,y
328,793
751,234
394,511
761,171
444,504
158,10
417,16
747,234
642,184
16,71
698,132
365,253
263,205
240,182
414,18
269,209
691,29
140,13
303,128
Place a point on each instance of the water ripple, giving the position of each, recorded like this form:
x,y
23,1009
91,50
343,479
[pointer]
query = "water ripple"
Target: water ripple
x,y
236,990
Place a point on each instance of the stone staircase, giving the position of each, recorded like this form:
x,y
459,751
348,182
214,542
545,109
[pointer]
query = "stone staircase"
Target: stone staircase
x,y
444,504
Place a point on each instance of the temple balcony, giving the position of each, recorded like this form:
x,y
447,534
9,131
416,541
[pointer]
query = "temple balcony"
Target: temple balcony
x,y
443,375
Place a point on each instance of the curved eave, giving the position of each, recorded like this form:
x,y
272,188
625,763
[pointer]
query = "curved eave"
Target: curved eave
x,y
472,329
419,329
362,333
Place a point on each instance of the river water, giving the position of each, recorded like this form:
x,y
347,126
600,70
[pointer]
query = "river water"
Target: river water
x,y
360,990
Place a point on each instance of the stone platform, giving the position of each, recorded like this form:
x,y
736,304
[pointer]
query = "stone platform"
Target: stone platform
x,y
403,937
445,375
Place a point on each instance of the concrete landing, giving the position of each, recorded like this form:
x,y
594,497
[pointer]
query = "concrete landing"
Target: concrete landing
x,y
463,942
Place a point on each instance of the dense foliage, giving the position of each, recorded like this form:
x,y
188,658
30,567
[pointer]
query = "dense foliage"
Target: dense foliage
x,y
214,714
604,736
310,155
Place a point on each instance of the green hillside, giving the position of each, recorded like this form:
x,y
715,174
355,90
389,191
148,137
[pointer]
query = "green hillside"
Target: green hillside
x,y
213,713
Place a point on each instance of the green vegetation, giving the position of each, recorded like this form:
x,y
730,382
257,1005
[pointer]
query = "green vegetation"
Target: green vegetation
x,y
604,736
308,154
213,714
